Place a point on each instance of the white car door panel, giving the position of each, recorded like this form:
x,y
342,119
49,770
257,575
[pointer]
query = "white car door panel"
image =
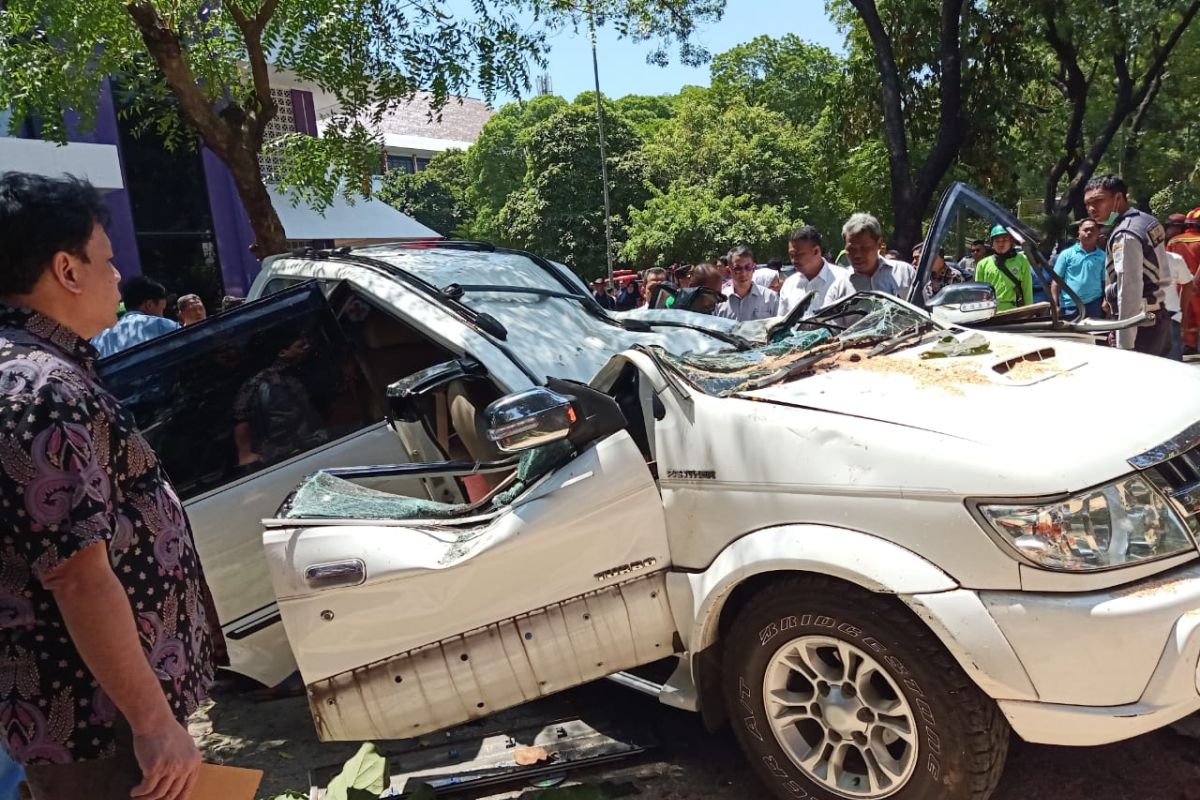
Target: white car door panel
x,y
455,621
233,557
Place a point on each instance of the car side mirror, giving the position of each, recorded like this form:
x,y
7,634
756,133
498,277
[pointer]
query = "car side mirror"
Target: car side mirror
x,y
529,419
964,303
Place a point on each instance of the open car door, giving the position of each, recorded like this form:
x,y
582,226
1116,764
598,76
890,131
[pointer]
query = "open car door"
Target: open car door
x,y
407,616
965,214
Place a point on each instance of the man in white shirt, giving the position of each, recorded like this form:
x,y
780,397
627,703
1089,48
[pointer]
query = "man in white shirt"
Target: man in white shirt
x,y
1180,276
872,272
829,283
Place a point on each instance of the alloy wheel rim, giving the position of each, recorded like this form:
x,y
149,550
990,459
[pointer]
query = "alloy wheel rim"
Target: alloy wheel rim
x,y
840,716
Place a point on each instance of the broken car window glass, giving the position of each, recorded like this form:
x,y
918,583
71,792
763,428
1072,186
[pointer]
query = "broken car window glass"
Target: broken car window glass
x,y
863,321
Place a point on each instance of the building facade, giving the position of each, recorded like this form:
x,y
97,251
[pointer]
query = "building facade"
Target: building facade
x,y
175,214
411,135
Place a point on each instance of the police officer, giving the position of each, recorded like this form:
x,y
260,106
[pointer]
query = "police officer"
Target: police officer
x,y
1135,268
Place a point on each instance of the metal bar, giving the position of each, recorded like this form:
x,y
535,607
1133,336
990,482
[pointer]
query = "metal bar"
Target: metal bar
x,y
608,248
630,681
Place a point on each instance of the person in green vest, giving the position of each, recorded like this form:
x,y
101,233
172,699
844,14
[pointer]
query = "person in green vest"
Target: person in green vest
x,y
1007,270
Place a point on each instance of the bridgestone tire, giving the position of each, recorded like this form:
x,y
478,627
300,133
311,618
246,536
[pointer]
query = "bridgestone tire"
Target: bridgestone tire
x,y
962,739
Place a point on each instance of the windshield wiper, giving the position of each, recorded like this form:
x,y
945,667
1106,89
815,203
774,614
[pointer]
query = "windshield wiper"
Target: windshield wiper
x,y
644,325
901,339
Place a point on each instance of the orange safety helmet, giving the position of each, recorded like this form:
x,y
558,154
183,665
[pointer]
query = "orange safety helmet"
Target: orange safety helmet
x,y
1193,218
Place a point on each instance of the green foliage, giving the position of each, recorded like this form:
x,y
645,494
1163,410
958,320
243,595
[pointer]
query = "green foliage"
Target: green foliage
x,y
787,75
290,795
498,161
200,67
363,777
559,209
1178,197
646,113
688,224
435,196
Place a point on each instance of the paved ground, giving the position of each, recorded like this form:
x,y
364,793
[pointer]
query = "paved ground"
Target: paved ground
x,y
694,765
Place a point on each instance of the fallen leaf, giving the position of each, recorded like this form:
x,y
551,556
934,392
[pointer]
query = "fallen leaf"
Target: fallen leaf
x,y
526,756
288,756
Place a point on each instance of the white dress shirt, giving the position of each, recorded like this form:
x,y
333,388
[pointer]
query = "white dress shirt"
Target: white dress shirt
x,y
829,286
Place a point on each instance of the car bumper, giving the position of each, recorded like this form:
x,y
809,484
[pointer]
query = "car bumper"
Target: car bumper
x,y
1080,668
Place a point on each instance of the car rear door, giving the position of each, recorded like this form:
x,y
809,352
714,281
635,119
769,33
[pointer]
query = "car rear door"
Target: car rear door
x,y
196,394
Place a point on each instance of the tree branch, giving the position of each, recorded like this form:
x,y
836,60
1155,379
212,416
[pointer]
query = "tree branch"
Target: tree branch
x,y
164,46
251,29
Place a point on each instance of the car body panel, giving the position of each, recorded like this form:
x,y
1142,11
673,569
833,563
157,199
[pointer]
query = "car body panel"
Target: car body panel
x,y
425,582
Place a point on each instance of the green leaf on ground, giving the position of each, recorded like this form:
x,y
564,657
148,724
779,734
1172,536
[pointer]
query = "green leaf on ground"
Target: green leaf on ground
x,y
363,776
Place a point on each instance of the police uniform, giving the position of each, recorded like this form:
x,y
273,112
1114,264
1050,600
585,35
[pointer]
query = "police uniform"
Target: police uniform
x,y
1136,274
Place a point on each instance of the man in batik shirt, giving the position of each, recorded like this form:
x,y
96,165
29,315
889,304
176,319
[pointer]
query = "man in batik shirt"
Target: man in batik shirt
x,y
108,639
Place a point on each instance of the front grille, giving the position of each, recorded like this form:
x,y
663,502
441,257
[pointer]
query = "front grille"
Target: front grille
x,y
1179,478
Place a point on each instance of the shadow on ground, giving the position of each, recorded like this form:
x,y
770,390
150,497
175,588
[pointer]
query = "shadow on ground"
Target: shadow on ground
x,y
691,764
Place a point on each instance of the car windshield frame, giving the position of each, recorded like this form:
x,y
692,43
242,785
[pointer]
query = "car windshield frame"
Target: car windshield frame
x,y
960,197
770,361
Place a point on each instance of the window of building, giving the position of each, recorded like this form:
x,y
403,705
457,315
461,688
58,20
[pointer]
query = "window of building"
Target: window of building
x,y
422,163
402,163
172,216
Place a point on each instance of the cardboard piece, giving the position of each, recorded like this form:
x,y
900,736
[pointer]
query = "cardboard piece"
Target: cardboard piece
x,y
225,783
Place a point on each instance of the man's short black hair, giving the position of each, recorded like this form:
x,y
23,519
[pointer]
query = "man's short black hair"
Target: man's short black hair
x,y
741,251
978,243
1107,183
139,290
806,234
41,216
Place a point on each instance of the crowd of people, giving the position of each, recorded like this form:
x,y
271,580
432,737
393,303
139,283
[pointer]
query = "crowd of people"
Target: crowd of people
x,y
1120,262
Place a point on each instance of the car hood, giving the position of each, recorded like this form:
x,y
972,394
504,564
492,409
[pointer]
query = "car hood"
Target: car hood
x,y
1027,393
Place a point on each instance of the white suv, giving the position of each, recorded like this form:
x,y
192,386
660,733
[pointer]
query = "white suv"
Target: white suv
x,y
861,557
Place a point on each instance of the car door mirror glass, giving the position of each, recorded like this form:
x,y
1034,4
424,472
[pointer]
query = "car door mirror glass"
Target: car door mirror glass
x,y
529,419
964,303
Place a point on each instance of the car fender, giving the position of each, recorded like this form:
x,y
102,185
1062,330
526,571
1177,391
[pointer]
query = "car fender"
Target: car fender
x,y
955,615
868,561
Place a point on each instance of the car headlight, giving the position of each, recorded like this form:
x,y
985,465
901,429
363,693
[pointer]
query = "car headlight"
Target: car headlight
x,y
1110,526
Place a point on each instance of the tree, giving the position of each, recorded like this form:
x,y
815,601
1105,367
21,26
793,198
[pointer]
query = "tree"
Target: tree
x,y
788,75
1111,53
559,210
913,189
932,97
216,60
726,173
686,224
497,162
436,196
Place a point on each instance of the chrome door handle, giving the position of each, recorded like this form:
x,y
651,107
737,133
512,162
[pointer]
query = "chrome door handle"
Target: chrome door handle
x,y
350,572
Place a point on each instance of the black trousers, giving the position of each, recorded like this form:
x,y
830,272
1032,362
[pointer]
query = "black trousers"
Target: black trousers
x,y
103,779
1156,339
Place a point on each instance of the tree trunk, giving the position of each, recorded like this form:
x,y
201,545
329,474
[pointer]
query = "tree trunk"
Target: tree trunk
x,y
912,195
233,135
1076,165
269,237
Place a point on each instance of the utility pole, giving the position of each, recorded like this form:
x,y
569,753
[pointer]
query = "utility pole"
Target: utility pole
x,y
608,247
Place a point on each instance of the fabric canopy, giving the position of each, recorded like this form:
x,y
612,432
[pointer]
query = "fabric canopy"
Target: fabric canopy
x,y
366,219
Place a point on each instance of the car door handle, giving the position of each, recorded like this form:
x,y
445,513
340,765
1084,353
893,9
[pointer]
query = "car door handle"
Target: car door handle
x,y
350,572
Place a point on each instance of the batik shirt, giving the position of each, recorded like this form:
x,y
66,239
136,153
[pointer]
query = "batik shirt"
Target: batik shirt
x,y
74,471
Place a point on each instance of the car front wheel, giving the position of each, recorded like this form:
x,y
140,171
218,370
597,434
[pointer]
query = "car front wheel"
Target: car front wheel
x,y
835,692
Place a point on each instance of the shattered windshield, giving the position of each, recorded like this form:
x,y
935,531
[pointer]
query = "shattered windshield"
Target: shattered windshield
x,y
863,321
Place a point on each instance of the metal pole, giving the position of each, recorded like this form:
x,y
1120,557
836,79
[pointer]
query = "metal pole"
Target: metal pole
x,y
608,247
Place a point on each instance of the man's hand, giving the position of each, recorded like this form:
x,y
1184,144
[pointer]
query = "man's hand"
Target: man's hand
x,y
169,761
